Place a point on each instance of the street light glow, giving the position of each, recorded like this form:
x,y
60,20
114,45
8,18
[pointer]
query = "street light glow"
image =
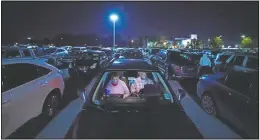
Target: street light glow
x,y
132,41
114,17
29,38
243,36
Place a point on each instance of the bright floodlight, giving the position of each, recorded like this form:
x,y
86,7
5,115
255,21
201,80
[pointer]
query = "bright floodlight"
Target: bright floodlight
x,y
114,17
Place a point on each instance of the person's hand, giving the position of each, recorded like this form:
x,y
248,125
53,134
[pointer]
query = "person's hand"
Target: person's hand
x,y
126,95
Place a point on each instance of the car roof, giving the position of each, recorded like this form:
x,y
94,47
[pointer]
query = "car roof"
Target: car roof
x,y
23,60
15,48
245,54
131,64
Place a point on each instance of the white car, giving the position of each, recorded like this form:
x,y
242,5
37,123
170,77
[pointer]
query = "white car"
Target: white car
x,y
30,87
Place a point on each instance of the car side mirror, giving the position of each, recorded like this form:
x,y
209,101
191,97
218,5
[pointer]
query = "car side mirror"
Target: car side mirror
x,y
181,94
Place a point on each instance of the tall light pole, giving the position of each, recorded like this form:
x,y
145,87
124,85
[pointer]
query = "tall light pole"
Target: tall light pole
x,y
114,18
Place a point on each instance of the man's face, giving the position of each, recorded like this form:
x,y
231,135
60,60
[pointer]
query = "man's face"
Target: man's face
x,y
143,75
115,80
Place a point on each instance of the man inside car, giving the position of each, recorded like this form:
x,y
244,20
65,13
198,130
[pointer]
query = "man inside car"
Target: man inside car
x,y
140,82
117,86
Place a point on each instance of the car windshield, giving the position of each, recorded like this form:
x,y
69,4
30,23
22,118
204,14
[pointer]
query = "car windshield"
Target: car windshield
x,y
116,84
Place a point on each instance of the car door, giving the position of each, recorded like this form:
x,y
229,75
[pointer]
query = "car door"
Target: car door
x,y
251,64
236,98
28,94
8,114
238,63
252,108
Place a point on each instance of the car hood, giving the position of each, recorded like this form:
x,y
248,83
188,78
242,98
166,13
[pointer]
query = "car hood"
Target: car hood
x,y
133,124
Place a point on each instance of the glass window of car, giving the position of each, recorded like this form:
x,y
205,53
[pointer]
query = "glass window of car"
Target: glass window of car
x,y
60,50
42,70
158,82
252,63
11,81
26,53
238,83
12,53
223,58
239,60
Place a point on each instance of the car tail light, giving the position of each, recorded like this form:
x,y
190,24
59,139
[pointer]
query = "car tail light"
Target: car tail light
x,y
177,69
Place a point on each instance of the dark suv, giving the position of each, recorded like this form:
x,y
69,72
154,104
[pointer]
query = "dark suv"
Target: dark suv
x,y
234,97
174,64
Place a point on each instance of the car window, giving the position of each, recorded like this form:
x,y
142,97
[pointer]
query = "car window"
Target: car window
x,y
239,60
156,86
223,58
238,83
42,70
12,53
26,53
60,50
252,63
11,74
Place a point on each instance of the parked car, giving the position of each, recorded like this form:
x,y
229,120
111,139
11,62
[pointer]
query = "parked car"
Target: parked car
x,y
108,53
153,52
132,54
242,62
174,65
30,87
90,61
220,61
17,52
233,96
155,113
77,50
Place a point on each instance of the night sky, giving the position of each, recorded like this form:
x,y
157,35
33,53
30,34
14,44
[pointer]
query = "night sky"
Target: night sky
x,y
177,19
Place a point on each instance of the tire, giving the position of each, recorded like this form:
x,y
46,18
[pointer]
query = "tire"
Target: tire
x,y
51,105
209,105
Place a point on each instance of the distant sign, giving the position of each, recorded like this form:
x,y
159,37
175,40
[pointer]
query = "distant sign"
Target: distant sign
x,y
194,36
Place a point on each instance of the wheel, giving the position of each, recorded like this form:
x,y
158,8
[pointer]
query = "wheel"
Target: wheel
x,y
209,105
51,105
